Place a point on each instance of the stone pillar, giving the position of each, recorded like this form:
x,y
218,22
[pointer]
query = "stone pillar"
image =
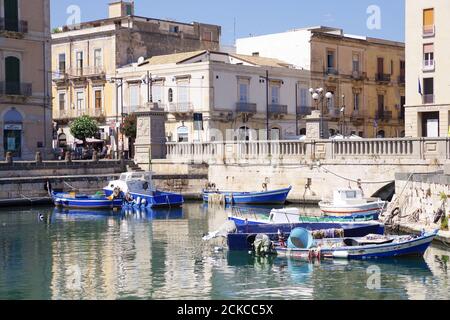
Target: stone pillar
x,y
9,157
38,157
313,126
68,157
151,136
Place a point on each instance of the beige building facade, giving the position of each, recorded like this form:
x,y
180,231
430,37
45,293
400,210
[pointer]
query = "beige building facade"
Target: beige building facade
x,y
25,82
216,96
85,59
427,49
366,76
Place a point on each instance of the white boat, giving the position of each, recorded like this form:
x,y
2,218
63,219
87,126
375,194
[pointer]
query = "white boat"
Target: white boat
x,y
347,202
138,190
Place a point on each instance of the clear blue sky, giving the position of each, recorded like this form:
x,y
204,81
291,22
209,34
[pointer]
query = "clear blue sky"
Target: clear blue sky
x,y
256,16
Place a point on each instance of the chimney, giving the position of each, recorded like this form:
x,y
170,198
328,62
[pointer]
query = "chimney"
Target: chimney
x,y
119,9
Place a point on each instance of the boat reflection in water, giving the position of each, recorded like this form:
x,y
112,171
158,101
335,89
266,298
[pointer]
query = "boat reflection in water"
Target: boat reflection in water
x,y
145,214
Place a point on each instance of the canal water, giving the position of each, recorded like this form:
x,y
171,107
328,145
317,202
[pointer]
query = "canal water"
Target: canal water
x,y
46,254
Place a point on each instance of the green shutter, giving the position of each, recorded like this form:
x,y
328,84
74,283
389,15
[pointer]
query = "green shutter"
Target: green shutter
x,y
11,15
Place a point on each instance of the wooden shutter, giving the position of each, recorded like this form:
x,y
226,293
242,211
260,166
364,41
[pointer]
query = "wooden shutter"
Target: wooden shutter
x,y
428,17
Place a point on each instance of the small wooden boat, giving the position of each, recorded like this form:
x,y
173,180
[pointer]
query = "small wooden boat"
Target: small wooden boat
x,y
292,216
351,203
302,245
80,201
138,190
253,198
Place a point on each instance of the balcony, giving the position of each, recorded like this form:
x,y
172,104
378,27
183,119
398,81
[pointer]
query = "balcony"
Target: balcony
x,y
357,115
19,26
401,80
334,113
86,72
383,78
16,89
429,31
278,109
331,71
384,115
429,65
180,107
358,75
304,111
129,109
428,98
245,107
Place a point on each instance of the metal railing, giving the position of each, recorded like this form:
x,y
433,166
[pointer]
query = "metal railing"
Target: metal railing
x,y
246,107
334,113
13,25
428,98
383,77
332,71
384,115
16,89
304,111
180,107
429,65
85,72
278,109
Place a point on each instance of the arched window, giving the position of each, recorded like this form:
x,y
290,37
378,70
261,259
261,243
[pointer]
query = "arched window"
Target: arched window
x,y
275,134
170,95
381,134
11,15
12,75
12,133
183,134
243,134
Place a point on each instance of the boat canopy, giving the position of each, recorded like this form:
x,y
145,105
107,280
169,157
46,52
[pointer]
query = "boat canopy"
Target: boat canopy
x,y
136,176
347,196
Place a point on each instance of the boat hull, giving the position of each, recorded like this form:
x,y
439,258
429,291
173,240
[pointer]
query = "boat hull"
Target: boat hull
x,y
242,239
63,201
371,208
416,246
157,200
254,198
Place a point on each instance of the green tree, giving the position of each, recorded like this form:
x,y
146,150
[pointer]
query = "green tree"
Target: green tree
x,y
84,127
129,127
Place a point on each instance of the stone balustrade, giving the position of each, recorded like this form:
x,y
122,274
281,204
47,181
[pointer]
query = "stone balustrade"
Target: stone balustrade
x,y
437,149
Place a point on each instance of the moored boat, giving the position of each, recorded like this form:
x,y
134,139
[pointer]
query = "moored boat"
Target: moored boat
x,y
254,198
138,190
348,202
80,201
302,245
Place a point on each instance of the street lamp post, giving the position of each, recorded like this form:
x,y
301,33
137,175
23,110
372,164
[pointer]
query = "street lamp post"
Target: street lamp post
x,y
119,84
319,97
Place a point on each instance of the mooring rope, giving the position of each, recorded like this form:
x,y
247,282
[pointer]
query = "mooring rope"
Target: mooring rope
x,y
356,181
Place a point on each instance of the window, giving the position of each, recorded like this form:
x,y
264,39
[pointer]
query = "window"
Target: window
x,y
128,9
428,90
12,75
243,92
62,101
183,93
402,69
183,134
380,106
428,55
275,134
356,100
380,66
275,94
392,67
62,63
170,95
80,101
98,100
12,132
11,13
134,98
330,61
428,22
157,92
174,29
98,61
207,35
79,64
304,97
356,63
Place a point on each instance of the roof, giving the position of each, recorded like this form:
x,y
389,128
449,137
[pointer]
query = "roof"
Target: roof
x,y
261,61
173,58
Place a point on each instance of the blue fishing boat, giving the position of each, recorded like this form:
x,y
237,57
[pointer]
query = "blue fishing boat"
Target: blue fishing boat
x,y
244,236
138,190
302,245
81,201
253,198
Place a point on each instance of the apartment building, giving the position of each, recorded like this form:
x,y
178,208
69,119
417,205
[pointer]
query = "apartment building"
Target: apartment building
x,y
211,96
85,59
365,75
25,113
427,48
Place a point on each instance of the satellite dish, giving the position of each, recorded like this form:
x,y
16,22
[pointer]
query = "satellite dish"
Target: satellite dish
x,y
141,60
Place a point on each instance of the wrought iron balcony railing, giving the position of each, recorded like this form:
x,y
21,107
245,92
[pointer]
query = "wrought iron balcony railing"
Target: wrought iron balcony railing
x,y
246,107
332,71
13,25
383,77
180,107
16,89
428,98
384,115
304,111
85,72
278,109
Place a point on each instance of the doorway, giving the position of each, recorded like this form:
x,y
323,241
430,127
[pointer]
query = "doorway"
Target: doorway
x,y
430,124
